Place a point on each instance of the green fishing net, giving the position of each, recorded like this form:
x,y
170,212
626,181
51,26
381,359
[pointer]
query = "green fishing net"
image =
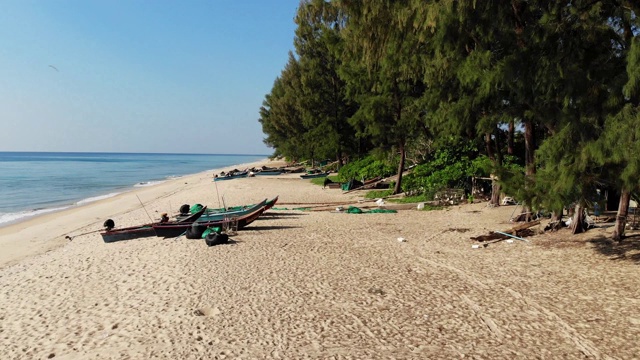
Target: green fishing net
x,y
209,230
357,210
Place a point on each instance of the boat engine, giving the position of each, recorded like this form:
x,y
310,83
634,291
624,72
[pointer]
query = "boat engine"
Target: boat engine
x,y
109,224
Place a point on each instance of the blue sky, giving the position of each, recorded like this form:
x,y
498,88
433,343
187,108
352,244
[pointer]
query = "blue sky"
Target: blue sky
x,y
139,76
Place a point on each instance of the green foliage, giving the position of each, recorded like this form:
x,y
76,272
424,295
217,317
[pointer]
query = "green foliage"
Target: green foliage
x,y
428,207
332,167
450,167
403,77
366,168
375,194
320,181
409,199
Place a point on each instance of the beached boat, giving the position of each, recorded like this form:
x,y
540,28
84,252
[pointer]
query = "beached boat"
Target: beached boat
x,y
313,176
268,172
237,222
239,175
219,214
128,233
232,210
140,231
271,203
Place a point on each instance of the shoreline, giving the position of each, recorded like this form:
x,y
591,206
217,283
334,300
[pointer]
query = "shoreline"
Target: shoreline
x,y
21,212
59,223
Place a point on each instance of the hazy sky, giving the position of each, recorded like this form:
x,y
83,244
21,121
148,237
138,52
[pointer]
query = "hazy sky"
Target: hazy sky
x,y
183,76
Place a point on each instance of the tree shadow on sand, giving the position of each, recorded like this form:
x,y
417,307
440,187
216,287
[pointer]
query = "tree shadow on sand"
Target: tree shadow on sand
x,y
628,249
229,242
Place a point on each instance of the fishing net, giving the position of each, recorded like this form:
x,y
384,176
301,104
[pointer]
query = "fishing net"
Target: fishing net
x,y
209,230
195,208
357,210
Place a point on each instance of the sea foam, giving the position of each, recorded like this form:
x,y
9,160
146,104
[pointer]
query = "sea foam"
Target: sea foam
x,y
96,198
7,218
148,183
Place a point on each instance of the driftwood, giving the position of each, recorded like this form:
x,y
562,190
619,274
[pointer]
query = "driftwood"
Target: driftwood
x,y
516,230
555,225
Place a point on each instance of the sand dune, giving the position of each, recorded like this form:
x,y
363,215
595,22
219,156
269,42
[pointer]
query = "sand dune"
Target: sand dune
x,y
317,285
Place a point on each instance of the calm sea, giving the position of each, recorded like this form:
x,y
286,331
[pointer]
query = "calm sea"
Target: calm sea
x,y
33,183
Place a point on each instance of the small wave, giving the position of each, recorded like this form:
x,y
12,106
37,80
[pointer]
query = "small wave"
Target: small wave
x,y
148,183
96,198
7,218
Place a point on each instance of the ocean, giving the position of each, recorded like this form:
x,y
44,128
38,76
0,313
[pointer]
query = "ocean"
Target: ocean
x,y
34,183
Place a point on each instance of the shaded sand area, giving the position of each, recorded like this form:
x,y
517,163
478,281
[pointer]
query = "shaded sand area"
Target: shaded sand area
x,y
316,285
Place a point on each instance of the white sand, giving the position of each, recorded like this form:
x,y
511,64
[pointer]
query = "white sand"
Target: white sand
x,y
313,285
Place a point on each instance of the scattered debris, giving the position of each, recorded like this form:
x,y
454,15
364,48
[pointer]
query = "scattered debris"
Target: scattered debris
x,y
460,230
450,197
512,236
503,235
376,291
554,225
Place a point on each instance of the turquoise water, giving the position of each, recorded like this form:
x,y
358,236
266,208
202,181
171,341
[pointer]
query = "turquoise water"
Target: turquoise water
x,y
33,183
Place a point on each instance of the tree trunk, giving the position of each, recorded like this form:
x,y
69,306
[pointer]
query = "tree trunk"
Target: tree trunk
x,y
621,218
495,184
529,148
495,187
495,192
556,222
488,147
577,224
512,129
398,188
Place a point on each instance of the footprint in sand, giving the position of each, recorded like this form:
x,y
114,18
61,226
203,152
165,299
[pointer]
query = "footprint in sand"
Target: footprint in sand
x,y
207,311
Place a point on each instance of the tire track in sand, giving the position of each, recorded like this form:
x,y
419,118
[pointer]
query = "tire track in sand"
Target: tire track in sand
x,y
584,345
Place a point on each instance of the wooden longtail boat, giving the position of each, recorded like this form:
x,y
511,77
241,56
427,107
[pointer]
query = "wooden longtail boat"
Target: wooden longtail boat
x,y
271,203
140,231
268,204
243,174
313,176
219,214
177,229
268,172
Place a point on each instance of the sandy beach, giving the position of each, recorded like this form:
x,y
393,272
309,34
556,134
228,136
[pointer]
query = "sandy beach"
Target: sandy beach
x,y
311,284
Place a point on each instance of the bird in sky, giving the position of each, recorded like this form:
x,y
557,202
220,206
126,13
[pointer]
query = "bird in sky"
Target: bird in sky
x,y
54,68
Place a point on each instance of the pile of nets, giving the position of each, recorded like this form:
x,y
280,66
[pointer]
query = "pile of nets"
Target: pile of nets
x,y
195,208
357,210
